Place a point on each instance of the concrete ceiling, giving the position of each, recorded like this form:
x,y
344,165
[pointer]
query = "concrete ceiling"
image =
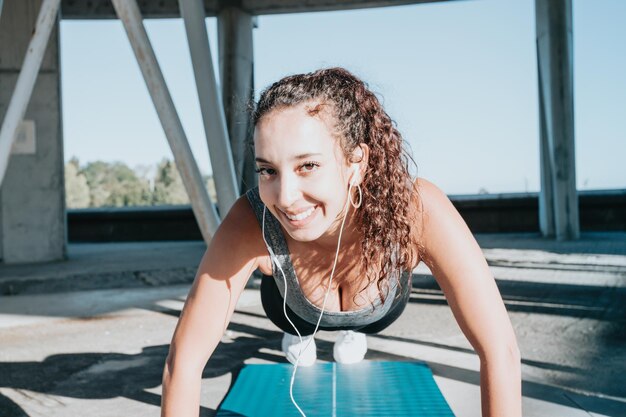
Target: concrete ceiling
x,y
103,9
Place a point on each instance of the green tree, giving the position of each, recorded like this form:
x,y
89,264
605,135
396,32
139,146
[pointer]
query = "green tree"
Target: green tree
x,y
168,185
115,184
106,184
76,188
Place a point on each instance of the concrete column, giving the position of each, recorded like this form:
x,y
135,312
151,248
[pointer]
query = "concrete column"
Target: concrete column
x,y
558,202
216,131
236,74
32,195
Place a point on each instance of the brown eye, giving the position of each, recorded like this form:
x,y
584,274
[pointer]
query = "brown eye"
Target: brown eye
x,y
265,171
309,166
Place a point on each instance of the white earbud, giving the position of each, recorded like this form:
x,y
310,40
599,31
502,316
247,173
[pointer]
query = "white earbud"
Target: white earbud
x,y
355,175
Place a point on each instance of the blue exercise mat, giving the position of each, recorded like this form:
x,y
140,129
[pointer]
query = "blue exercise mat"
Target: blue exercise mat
x,y
366,389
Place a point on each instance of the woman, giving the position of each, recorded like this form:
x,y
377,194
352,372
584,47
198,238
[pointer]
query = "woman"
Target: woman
x,y
337,215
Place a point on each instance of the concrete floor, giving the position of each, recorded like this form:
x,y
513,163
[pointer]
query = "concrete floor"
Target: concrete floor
x,y
100,351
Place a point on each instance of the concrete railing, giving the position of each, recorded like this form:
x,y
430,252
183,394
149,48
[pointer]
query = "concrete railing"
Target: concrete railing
x,y
601,210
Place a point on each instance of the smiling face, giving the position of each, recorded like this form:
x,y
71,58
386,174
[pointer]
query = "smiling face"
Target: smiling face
x,y
303,173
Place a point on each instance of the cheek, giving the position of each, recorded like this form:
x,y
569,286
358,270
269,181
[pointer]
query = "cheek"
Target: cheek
x,y
334,202
323,190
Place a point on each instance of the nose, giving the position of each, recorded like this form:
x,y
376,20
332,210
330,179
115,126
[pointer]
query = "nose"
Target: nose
x,y
288,191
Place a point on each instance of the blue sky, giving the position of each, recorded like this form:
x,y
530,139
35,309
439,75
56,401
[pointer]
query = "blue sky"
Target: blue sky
x,y
459,78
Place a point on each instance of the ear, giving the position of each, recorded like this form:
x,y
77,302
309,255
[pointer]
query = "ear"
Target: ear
x,y
359,158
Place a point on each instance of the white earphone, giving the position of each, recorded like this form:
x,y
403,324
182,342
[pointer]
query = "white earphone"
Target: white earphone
x,y
353,182
274,258
355,175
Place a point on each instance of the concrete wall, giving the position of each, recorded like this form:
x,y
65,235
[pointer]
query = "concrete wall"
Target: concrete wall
x,y
32,195
601,210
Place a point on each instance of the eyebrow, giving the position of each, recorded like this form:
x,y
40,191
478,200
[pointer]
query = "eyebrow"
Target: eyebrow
x,y
295,158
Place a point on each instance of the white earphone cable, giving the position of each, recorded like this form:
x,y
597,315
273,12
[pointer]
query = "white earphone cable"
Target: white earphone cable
x,y
330,280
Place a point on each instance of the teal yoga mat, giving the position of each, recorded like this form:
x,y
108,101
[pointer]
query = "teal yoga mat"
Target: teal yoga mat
x,y
366,389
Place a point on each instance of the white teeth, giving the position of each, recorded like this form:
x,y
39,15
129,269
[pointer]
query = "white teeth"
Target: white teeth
x,y
301,216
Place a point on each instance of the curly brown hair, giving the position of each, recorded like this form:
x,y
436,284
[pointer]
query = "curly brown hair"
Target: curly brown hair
x,y
385,218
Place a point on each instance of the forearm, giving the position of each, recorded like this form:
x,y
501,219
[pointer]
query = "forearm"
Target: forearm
x,y
181,393
500,386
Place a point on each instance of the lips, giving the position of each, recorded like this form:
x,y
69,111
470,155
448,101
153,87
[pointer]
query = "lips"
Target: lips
x,y
301,219
301,215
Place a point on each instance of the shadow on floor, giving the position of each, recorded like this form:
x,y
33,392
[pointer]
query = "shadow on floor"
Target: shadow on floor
x,y
109,375
597,302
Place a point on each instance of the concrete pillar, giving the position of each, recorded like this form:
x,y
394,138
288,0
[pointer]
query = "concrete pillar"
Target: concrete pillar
x,y
32,195
558,201
216,131
237,80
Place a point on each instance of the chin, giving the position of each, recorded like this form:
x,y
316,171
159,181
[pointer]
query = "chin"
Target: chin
x,y
304,235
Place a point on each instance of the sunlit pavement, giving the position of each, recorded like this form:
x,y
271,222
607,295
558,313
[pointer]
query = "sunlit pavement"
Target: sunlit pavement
x,y
100,352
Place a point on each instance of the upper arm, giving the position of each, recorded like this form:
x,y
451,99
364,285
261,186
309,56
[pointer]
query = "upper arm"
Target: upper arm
x,y
230,259
459,266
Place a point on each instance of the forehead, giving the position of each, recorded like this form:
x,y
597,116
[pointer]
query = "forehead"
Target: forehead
x,y
292,131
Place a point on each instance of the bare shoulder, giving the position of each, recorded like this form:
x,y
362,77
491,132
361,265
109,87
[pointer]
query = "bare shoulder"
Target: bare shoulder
x,y
445,236
240,216
426,196
437,214
241,227
430,196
